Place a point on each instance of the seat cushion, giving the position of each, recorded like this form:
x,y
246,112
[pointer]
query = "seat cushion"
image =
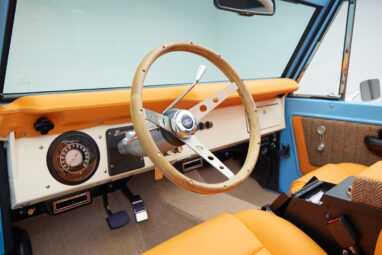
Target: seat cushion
x,y
247,232
333,173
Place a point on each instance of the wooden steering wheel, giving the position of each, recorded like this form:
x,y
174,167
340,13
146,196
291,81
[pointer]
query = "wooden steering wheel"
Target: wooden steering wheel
x,y
182,123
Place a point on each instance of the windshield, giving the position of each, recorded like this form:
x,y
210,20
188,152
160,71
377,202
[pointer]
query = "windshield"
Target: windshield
x,y
87,44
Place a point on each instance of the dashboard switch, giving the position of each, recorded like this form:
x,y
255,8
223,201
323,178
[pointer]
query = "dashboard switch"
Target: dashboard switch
x,y
205,125
178,149
201,126
209,124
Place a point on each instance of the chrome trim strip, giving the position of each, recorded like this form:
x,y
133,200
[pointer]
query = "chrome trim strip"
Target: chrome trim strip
x,y
317,96
318,44
347,48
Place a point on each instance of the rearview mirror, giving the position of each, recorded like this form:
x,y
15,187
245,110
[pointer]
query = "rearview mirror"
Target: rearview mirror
x,y
370,89
247,7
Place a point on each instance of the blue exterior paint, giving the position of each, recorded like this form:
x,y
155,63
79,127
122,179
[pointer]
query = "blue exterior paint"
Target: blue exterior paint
x,y
319,108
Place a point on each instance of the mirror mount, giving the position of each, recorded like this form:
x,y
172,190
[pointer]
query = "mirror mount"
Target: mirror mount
x,y
369,90
247,7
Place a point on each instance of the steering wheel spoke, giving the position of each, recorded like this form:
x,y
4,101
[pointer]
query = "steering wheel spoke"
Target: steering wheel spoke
x,y
207,155
158,119
203,108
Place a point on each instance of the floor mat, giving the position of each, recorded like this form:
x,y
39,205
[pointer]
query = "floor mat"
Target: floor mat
x,y
249,195
249,190
171,210
85,231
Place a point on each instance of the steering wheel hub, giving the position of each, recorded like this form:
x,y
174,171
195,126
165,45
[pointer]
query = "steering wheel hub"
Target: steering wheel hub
x,y
183,123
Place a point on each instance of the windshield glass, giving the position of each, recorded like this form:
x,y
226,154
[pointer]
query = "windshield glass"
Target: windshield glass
x,y
87,44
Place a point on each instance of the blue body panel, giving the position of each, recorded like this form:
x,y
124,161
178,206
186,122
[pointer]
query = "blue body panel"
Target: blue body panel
x,y
319,108
315,32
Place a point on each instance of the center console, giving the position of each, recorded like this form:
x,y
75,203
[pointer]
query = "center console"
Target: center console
x,y
328,215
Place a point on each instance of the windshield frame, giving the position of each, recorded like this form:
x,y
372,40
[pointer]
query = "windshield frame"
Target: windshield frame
x,y
7,15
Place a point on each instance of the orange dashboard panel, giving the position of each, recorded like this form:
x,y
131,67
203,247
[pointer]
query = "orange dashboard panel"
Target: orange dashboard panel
x,y
73,111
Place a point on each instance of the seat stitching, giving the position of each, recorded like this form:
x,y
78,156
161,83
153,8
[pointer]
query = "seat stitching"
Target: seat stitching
x,y
262,244
260,249
259,239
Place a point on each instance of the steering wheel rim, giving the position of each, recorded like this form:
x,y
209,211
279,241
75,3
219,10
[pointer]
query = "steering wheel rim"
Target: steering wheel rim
x,y
152,150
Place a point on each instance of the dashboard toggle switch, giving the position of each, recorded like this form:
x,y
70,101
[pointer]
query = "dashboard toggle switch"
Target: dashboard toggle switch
x,y
205,125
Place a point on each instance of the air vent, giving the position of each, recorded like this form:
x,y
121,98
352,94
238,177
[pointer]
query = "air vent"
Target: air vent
x,y
192,164
71,202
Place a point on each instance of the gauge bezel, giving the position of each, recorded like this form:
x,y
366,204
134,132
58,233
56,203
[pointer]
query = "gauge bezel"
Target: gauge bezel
x,y
84,138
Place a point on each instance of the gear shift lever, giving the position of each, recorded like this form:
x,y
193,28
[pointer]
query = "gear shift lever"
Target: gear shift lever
x,y
199,74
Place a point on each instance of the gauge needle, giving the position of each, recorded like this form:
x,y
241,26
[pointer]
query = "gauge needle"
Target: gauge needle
x,y
75,156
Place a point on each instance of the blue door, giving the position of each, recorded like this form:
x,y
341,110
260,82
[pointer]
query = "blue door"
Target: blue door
x,y
350,121
328,118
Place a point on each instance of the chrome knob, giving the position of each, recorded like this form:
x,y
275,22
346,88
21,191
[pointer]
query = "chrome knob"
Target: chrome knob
x,y
321,131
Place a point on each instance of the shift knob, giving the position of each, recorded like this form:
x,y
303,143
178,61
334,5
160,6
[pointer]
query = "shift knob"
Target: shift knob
x,y
201,71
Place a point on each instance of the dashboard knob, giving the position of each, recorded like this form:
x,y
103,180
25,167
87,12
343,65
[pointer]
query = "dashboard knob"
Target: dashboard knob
x,y
209,124
43,125
178,149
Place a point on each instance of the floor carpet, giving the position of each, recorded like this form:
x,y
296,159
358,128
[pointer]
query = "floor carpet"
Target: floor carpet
x,y
171,210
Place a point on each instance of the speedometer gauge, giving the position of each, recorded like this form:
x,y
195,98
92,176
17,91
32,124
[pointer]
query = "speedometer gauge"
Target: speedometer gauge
x,y
73,158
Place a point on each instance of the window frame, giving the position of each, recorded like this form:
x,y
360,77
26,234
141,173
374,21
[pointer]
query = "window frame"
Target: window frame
x,y
315,29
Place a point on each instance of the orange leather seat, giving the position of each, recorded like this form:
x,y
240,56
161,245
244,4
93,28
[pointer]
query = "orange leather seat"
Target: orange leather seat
x,y
333,173
378,245
247,232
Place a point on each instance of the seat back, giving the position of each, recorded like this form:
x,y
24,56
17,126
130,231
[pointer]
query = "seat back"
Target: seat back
x,y
367,186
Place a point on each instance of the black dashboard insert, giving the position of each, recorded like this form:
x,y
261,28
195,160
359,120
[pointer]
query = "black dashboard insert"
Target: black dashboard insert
x,y
118,163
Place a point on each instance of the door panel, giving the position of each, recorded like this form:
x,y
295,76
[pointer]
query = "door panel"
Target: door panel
x,y
349,120
343,140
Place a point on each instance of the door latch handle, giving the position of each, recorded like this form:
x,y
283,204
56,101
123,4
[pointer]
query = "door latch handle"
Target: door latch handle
x,y
374,144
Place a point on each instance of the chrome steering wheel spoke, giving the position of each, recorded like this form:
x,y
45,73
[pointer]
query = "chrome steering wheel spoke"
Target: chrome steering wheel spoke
x,y
206,106
158,119
207,155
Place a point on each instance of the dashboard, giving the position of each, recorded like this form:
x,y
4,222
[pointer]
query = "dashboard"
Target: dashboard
x,y
80,152
37,165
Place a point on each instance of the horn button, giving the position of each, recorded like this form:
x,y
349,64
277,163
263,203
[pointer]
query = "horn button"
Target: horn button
x,y
183,123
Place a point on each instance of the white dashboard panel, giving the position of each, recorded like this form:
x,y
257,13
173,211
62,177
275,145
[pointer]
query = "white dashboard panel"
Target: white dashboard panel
x,y
31,182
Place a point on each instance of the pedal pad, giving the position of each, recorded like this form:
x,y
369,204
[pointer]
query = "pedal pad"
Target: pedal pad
x,y
118,219
139,209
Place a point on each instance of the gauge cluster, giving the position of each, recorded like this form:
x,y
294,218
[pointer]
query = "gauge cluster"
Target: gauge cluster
x,y
73,158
